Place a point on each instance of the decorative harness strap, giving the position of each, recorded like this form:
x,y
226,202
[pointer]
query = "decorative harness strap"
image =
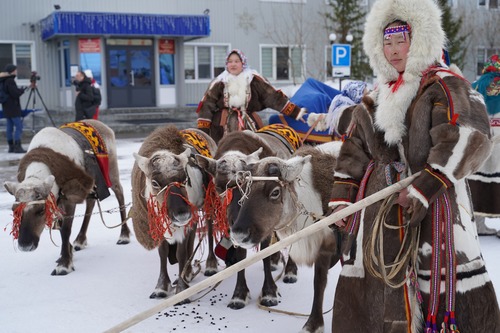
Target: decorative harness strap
x,y
52,213
197,141
285,134
352,226
442,237
96,142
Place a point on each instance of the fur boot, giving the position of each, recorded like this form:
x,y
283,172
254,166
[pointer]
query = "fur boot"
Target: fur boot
x,y
11,146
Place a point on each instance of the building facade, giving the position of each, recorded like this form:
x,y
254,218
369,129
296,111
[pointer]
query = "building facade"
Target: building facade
x,y
164,53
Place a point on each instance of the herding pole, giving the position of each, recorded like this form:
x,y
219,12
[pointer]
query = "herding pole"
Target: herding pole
x,y
227,272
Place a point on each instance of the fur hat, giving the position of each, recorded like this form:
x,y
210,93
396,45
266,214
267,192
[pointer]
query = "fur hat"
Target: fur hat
x,y
10,68
427,35
426,48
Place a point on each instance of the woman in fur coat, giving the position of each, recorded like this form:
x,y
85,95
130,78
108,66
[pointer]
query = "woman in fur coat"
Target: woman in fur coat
x,y
240,88
422,117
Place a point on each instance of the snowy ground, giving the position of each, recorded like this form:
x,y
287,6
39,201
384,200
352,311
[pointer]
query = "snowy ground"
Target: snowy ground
x,y
112,283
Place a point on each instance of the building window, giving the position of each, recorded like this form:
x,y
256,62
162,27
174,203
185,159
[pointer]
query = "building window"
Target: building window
x,y
281,63
19,54
166,49
491,4
204,62
64,64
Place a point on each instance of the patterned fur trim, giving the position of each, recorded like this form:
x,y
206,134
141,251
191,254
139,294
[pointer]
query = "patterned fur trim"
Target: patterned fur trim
x,y
203,123
288,108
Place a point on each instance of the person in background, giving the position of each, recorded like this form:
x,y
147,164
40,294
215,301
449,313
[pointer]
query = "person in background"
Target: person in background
x,y
95,84
84,97
243,89
351,94
413,261
12,109
485,184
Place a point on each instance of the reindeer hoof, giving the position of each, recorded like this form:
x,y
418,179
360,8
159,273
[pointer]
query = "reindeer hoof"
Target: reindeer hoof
x,y
158,294
77,246
290,278
60,271
210,271
269,301
123,240
236,304
308,329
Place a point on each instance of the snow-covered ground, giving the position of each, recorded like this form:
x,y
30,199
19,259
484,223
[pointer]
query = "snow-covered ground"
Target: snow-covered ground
x,y
112,282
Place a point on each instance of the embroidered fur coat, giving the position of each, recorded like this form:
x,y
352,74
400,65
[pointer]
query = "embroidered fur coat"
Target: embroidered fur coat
x,y
445,153
247,91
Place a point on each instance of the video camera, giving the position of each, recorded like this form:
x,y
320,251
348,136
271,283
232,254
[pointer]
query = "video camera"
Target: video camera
x,y
34,77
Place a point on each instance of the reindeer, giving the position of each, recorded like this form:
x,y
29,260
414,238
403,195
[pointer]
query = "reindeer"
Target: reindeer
x,y
235,151
168,191
295,196
58,172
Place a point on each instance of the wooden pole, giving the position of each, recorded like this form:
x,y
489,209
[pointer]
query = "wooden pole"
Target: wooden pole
x,y
324,223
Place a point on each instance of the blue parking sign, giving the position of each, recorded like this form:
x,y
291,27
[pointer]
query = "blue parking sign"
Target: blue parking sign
x,y
341,55
341,60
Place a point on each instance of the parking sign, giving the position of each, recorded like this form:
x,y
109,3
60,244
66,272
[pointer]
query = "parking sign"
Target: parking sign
x,y
341,60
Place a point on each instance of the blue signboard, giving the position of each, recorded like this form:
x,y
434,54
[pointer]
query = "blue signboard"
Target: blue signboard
x,y
341,60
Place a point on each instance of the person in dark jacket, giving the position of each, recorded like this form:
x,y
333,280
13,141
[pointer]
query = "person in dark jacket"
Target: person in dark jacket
x,y
84,97
12,109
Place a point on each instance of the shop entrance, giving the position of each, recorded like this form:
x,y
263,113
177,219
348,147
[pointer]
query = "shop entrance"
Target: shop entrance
x,y
130,73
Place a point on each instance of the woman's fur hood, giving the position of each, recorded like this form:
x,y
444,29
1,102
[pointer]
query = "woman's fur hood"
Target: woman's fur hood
x,y
427,43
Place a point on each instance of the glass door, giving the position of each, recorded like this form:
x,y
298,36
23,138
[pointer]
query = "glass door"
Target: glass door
x,y
130,76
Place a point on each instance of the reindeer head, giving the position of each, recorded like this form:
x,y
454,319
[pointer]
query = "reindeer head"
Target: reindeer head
x,y
30,209
271,203
175,182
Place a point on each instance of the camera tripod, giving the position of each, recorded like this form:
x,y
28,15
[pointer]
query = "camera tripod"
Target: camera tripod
x,y
33,92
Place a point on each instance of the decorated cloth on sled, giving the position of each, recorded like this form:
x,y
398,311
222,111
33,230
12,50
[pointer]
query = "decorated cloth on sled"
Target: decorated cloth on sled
x,y
93,145
316,97
285,134
197,141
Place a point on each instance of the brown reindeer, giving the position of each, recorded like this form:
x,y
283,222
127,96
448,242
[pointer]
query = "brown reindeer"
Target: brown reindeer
x,y
235,151
168,190
58,172
294,196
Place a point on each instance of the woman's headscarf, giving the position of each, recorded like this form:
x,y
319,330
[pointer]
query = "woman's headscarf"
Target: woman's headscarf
x,y
488,84
351,94
240,54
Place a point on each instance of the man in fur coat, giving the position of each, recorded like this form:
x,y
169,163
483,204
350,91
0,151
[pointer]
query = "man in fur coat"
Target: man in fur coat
x,y
241,89
423,117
